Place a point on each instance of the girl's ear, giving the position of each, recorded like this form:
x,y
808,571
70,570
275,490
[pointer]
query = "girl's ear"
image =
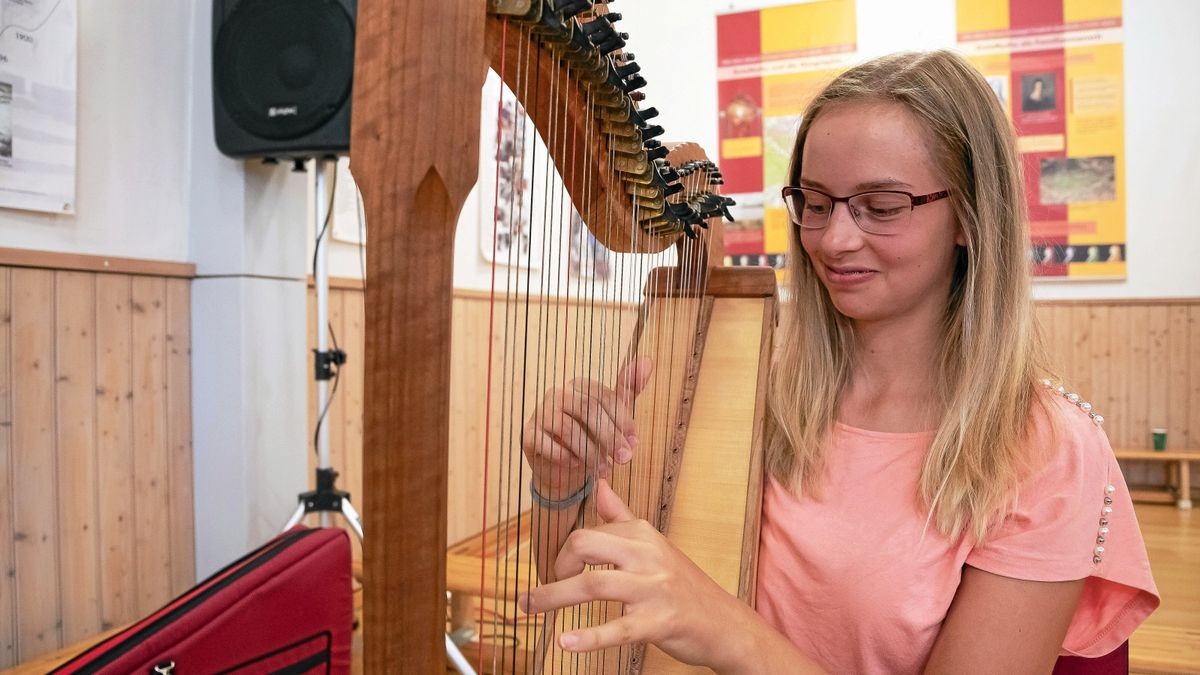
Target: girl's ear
x,y
960,237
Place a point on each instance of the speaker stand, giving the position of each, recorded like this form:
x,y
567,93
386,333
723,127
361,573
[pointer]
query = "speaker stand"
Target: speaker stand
x,y
326,498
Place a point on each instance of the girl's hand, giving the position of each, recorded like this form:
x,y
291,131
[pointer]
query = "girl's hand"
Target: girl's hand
x,y
582,429
669,601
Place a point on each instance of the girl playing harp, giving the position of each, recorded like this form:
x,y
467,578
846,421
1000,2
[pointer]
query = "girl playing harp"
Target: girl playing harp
x,y
931,502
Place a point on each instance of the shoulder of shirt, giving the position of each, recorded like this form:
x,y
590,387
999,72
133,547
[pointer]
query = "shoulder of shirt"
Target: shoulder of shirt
x,y
1071,406
1066,421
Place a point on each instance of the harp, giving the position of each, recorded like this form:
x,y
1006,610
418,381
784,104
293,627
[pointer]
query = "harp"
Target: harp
x,y
419,69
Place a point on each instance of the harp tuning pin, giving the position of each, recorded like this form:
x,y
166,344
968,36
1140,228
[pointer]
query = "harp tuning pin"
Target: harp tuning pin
x,y
725,209
613,17
624,57
570,8
670,175
638,96
673,189
628,69
651,131
648,113
656,152
609,44
597,29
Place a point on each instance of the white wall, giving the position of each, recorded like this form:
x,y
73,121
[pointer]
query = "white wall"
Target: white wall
x,y
133,122
246,229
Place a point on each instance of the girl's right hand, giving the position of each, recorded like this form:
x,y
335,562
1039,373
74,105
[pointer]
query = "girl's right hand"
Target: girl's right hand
x,y
581,429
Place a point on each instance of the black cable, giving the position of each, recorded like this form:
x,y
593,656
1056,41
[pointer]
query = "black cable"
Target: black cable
x,y
328,217
337,373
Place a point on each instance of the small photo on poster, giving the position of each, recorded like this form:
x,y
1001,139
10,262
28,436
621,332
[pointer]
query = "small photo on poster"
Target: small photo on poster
x,y
999,85
1071,180
1105,253
1045,254
1038,92
740,115
6,139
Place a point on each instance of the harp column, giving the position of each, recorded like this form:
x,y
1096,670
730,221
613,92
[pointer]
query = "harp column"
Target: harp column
x,y
415,136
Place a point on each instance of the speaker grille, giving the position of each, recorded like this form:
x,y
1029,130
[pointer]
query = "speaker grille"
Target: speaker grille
x,y
284,67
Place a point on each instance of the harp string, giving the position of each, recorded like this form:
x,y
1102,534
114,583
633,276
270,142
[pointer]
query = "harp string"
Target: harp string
x,y
579,333
491,332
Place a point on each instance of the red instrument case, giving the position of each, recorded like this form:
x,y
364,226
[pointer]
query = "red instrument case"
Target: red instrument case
x,y
285,607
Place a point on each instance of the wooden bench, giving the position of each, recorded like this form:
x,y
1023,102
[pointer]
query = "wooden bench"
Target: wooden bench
x,y
1179,486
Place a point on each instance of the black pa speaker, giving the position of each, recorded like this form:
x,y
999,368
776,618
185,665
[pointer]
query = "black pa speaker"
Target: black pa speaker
x,y
282,74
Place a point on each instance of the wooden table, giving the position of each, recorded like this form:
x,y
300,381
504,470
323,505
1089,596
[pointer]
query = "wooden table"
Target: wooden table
x,y
1179,486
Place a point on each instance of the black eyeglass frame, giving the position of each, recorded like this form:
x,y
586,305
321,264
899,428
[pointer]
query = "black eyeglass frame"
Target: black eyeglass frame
x,y
916,200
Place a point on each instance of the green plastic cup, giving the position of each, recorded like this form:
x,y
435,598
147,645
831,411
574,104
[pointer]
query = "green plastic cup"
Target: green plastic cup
x,y
1160,439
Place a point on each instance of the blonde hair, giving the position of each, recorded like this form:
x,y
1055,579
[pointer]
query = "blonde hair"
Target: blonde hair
x,y
977,457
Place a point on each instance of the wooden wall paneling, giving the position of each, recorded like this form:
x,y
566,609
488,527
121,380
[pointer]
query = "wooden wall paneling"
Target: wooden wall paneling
x,y
1060,348
311,327
114,446
150,462
1137,433
1098,362
1080,376
34,491
353,340
75,414
335,419
1193,368
179,434
1178,435
1157,385
1121,352
1157,390
1045,327
8,609
460,467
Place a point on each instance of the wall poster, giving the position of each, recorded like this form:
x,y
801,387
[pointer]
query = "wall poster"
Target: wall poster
x,y
770,63
1058,68
37,104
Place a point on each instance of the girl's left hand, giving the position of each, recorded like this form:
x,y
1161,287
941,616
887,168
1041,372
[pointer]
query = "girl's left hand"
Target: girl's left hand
x,y
669,601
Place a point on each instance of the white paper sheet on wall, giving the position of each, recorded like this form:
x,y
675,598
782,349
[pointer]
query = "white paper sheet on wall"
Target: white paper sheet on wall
x,y
37,104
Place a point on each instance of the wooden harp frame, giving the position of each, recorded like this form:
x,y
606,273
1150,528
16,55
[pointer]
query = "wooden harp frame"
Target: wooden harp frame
x,y
419,70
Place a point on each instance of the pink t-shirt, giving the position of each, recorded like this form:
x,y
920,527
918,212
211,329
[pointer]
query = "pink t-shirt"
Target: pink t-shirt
x,y
859,583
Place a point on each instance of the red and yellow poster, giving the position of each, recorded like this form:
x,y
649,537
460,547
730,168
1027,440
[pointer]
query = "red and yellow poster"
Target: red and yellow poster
x,y
770,63
1058,67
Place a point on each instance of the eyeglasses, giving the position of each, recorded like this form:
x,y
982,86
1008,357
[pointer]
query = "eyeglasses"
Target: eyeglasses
x,y
877,212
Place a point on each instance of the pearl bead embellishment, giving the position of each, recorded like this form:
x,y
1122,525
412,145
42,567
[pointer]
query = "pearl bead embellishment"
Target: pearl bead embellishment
x,y
1074,399
1102,533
